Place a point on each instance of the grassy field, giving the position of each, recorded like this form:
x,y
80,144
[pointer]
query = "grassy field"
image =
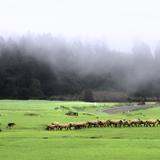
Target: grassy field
x,y
30,141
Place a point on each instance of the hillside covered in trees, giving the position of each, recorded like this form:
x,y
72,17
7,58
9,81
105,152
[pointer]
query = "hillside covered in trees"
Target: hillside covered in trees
x,y
49,67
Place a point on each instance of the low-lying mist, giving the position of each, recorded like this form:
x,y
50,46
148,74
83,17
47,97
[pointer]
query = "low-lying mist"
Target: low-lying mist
x,y
45,66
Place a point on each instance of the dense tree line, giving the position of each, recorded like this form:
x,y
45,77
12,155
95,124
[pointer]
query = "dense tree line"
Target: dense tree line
x,y
47,67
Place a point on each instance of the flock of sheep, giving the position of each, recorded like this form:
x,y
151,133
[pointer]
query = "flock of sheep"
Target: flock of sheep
x,y
104,123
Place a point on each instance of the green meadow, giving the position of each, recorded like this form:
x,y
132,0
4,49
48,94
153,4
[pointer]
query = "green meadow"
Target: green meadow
x,y
29,140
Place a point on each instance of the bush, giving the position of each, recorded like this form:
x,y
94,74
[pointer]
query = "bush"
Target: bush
x,y
31,114
72,113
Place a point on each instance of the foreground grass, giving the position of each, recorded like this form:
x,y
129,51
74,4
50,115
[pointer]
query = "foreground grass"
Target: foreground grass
x,y
107,143
29,141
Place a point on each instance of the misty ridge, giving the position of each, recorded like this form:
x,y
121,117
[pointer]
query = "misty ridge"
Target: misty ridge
x,y
44,66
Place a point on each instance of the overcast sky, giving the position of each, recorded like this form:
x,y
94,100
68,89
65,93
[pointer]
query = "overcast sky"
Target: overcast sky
x,y
119,22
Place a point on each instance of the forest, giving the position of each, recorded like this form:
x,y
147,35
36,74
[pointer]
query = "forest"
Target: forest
x,y
47,67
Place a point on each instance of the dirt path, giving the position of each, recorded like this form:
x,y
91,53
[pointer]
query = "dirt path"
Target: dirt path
x,y
129,108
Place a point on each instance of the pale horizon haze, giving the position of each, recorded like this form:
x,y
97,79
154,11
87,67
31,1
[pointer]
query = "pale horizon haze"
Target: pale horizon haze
x,y
118,22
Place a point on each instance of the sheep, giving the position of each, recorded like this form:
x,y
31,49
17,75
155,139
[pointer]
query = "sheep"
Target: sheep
x,y
11,125
91,124
126,123
107,123
80,125
136,122
101,123
144,123
158,122
52,127
152,122
116,123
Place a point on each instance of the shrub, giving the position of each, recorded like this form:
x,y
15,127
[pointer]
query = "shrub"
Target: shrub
x,y
70,113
